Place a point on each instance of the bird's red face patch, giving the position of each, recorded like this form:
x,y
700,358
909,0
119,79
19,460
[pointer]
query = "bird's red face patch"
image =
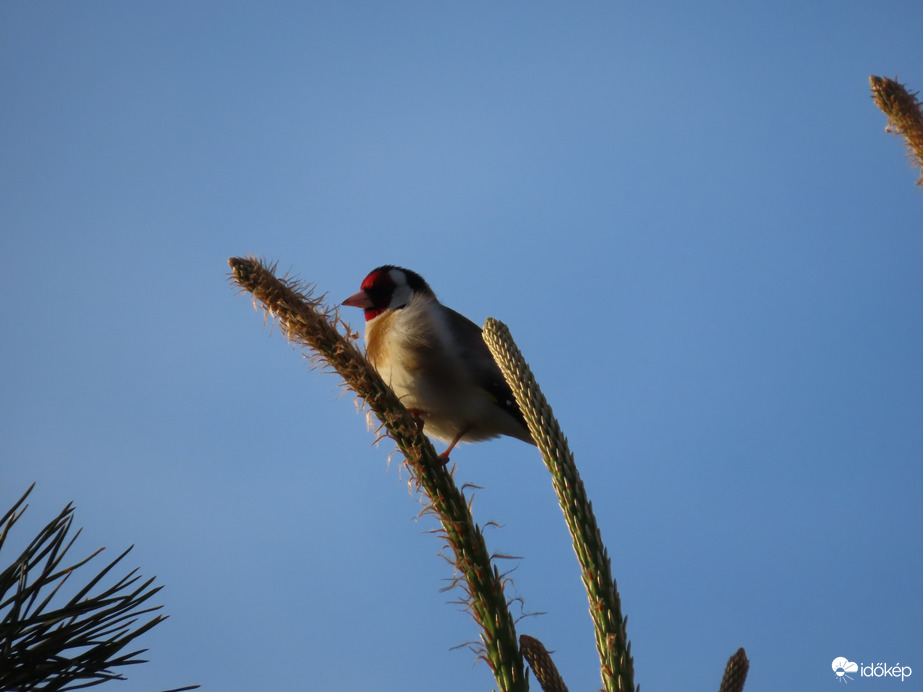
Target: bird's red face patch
x,y
376,278
378,287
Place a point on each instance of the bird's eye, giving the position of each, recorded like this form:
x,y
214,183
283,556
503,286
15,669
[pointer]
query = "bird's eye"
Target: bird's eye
x,y
376,294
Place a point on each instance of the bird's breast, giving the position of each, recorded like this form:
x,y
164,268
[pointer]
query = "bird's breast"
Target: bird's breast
x,y
399,350
378,346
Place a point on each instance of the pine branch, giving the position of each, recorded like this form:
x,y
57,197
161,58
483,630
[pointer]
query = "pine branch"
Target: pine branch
x,y
612,643
307,322
905,116
79,643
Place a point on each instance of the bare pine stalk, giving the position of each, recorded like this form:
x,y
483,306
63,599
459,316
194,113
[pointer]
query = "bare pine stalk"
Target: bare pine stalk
x,y
612,643
305,321
905,116
541,664
735,674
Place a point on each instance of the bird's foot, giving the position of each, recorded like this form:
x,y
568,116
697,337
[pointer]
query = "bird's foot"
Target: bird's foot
x,y
417,414
445,455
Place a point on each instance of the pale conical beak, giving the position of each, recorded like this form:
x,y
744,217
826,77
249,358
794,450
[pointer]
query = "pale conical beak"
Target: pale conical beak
x,y
359,300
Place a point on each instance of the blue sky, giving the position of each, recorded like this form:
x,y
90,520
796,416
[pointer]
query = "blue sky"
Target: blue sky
x,y
689,215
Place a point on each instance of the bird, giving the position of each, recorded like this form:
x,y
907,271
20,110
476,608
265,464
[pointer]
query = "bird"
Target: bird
x,y
435,360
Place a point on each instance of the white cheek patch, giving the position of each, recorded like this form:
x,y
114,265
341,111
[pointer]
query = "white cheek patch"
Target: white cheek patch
x,y
401,296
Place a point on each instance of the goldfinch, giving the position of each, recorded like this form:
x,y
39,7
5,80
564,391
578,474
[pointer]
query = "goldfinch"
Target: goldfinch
x,y
435,360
